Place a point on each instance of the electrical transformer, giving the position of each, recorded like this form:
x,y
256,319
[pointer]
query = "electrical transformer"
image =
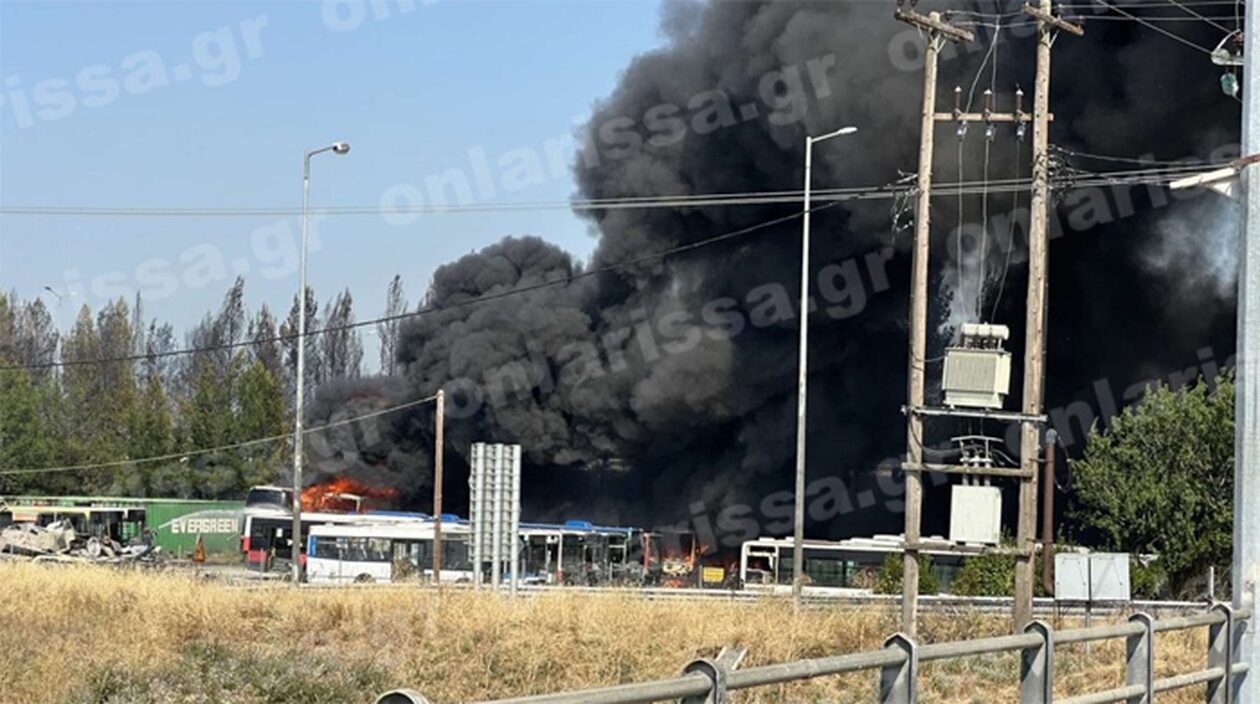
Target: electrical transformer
x,y
978,368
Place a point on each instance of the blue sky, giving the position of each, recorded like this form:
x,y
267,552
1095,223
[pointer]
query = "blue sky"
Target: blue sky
x,y
211,104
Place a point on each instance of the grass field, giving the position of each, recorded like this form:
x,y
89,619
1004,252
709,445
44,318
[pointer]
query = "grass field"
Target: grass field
x,y
96,635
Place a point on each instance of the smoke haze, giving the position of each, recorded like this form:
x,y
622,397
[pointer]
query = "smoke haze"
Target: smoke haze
x,y
640,393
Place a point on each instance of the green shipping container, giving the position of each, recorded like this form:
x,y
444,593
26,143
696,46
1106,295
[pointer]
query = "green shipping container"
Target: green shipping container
x,y
177,523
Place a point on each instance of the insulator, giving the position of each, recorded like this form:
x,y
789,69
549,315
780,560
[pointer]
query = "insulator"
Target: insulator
x,y
990,131
962,130
1229,84
957,98
1021,130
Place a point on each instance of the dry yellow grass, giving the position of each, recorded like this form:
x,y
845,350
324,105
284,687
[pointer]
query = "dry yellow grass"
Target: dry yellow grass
x,y
91,635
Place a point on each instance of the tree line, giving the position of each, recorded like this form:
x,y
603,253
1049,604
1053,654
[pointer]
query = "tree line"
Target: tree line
x,y
61,406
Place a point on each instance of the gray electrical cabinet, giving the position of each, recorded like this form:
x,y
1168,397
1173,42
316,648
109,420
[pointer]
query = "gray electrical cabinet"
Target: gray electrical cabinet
x,y
1091,577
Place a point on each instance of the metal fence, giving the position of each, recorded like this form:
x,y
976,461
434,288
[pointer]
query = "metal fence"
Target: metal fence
x,y
709,681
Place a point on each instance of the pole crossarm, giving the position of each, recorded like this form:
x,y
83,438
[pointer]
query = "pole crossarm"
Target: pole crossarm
x,y
1056,22
985,117
965,470
933,23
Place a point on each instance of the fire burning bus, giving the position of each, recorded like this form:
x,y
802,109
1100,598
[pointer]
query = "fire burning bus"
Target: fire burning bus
x,y
267,528
671,558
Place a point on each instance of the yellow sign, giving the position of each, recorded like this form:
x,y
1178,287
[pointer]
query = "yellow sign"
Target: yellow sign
x,y
713,575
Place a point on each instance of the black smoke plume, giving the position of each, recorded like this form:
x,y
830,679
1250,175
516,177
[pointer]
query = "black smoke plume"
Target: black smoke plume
x,y
666,390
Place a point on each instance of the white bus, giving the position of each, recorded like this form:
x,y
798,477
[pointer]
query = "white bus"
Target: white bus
x,y
837,567
385,552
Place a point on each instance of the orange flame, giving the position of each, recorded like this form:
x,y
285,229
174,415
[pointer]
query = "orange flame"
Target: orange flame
x,y
339,495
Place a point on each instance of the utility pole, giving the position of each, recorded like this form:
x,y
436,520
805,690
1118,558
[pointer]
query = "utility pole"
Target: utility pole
x,y
936,31
439,423
1047,516
1246,564
1030,418
1035,326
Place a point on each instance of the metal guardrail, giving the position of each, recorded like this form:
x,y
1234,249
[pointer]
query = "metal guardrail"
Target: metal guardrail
x,y
708,681
929,602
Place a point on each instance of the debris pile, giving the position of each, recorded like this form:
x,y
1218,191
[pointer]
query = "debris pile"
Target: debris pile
x,y
59,541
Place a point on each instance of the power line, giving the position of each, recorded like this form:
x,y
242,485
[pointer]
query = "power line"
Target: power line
x,y
432,309
221,448
1157,28
643,202
832,198
1144,5
1116,159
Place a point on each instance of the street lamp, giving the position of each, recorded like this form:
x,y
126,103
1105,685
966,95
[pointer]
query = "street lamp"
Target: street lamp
x,y
296,554
798,535
60,300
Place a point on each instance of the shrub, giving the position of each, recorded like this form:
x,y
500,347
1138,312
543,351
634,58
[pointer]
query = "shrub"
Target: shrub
x,y
890,575
985,575
1147,581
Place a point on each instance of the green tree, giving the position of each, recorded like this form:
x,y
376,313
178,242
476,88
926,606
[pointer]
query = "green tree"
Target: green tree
x,y
1160,479
260,413
152,434
24,442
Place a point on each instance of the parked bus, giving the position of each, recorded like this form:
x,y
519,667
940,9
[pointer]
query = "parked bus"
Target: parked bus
x,y
118,523
844,566
577,552
385,552
267,530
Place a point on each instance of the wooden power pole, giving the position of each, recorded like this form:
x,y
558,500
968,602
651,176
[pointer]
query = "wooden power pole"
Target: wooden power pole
x,y
936,30
439,422
1030,418
1035,327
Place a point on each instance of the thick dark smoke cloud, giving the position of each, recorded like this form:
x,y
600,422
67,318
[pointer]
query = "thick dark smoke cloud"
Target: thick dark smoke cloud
x,y
628,390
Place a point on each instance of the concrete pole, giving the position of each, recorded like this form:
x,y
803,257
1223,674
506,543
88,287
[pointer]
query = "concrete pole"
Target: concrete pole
x,y
918,340
1246,566
496,522
798,529
439,423
300,392
300,395
514,544
798,533
477,513
1035,332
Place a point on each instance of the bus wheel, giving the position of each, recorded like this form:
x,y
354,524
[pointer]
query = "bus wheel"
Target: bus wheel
x,y
364,579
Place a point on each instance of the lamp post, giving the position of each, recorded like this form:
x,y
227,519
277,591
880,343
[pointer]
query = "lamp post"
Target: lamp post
x,y
60,300
296,555
798,535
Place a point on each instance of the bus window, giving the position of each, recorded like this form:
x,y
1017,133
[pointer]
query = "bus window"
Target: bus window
x,y
355,550
377,550
824,571
326,548
455,555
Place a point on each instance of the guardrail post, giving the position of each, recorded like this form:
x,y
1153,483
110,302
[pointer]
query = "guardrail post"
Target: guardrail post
x,y
898,684
716,670
1140,664
1036,667
1221,654
402,696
